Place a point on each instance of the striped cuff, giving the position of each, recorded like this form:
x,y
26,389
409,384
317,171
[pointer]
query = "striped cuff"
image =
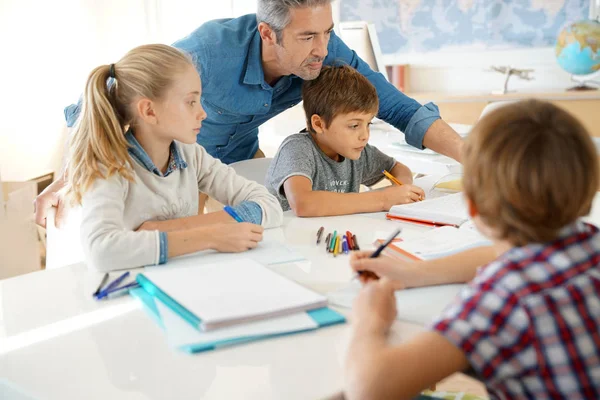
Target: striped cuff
x,y
164,247
249,211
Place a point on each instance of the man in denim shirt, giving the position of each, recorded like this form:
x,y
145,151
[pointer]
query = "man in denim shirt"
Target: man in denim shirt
x,y
252,69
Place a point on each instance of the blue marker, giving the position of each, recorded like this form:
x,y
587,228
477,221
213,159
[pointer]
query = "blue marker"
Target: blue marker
x,y
233,214
117,292
113,285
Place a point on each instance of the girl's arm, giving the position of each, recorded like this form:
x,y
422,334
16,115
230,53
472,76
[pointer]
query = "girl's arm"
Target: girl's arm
x,y
224,185
402,172
195,221
109,245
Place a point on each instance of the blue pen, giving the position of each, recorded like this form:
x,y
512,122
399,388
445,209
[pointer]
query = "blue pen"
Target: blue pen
x,y
116,292
233,214
345,244
113,284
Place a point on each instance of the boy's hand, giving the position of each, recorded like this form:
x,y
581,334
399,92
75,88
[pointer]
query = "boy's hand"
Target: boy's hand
x,y
404,194
234,238
374,309
403,274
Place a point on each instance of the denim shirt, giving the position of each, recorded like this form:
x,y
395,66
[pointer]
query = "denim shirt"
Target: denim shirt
x,y
137,152
237,100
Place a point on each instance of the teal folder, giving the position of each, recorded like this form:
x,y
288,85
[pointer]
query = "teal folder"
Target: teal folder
x,y
322,316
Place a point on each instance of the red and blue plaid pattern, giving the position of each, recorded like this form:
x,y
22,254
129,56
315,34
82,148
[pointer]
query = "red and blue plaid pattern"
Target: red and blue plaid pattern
x,y
529,323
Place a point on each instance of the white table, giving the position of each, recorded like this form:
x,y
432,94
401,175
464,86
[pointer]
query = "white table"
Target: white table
x,y
56,342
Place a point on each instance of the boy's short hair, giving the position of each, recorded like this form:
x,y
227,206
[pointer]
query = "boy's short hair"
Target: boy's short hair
x,y
530,168
338,90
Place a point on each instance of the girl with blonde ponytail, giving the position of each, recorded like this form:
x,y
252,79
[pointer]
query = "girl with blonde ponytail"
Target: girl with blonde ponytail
x,y
136,169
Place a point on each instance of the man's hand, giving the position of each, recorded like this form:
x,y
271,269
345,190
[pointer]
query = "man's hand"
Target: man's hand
x,y
51,197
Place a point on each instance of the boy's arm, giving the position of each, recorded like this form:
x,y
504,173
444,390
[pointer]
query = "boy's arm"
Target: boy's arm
x,y
375,370
306,202
456,268
402,172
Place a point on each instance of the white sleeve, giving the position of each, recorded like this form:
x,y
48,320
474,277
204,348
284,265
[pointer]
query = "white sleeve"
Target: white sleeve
x,y
222,183
107,244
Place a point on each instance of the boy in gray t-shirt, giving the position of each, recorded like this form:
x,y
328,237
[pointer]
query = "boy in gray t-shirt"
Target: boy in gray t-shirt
x,y
318,171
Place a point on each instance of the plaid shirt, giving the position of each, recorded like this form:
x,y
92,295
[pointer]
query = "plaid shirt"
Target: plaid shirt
x,y
529,323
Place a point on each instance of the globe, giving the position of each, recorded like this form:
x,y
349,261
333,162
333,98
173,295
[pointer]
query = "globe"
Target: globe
x,y
578,48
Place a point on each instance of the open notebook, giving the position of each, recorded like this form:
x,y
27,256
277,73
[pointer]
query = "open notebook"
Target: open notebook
x,y
213,296
437,243
446,210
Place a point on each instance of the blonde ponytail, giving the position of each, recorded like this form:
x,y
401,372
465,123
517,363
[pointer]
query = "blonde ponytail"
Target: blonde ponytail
x,y
98,147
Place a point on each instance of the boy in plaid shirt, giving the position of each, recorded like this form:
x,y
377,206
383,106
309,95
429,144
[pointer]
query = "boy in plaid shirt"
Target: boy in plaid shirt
x,y
529,321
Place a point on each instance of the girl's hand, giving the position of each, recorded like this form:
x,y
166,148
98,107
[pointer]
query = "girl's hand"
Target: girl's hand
x,y
234,238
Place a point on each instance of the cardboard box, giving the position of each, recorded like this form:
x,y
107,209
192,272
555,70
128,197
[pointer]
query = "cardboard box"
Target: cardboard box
x,y
19,238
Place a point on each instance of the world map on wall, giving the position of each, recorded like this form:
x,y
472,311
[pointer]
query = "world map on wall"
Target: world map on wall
x,y
430,25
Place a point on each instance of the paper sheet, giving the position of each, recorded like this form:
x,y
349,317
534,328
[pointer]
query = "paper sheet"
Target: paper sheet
x,y
418,305
232,292
180,333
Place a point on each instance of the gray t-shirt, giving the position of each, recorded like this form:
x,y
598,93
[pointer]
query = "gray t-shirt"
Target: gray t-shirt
x,y
299,155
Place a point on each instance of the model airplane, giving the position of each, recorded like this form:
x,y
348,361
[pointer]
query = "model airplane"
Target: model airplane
x,y
508,72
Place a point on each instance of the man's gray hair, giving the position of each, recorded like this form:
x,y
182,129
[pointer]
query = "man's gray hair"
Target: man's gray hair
x,y
276,13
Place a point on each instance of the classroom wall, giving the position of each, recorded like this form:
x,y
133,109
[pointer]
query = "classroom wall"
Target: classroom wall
x,y
48,50
468,72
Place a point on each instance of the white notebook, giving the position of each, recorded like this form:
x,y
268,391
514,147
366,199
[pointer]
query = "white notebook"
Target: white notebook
x,y
228,293
180,333
445,210
439,242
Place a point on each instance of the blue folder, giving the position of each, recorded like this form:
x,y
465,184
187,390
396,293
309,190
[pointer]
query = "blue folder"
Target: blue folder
x,y
322,316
